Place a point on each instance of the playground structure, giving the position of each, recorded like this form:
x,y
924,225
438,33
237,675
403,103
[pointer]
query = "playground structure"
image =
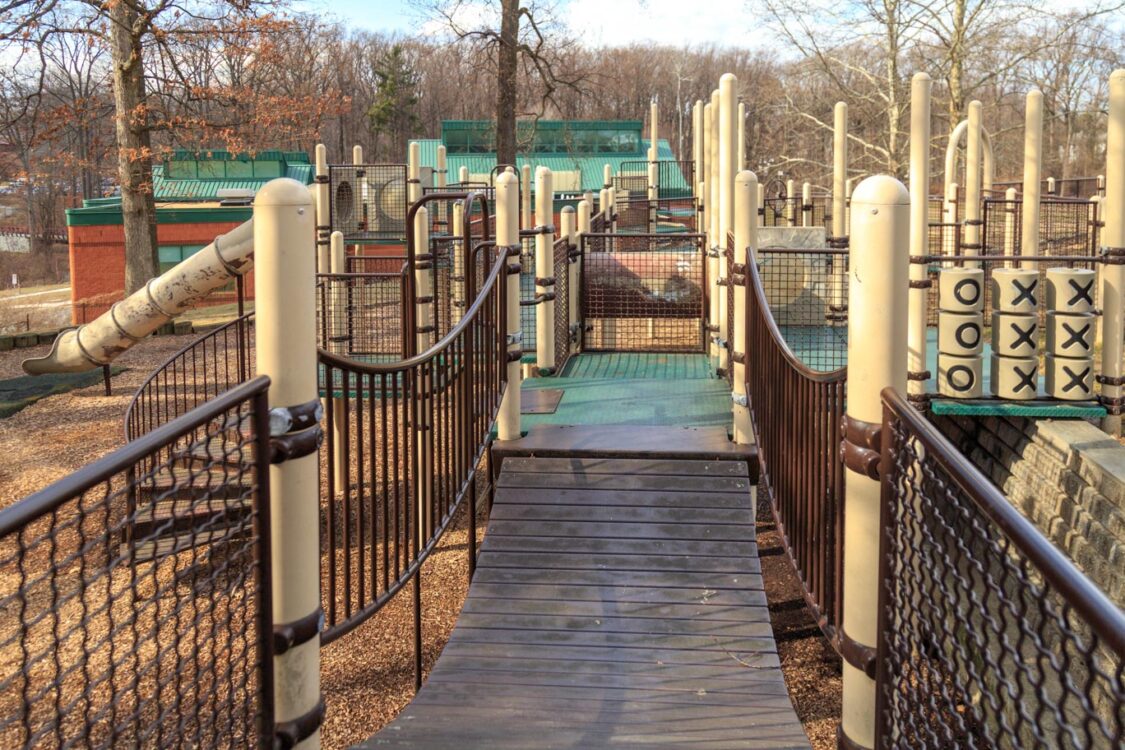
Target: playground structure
x,y
373,396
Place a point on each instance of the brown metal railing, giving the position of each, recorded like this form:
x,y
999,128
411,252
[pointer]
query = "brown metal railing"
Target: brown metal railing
x,y
102,651
796,412
988,635
211,364
404,443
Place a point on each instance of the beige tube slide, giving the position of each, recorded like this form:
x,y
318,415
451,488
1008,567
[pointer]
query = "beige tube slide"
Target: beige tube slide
x,y
178,289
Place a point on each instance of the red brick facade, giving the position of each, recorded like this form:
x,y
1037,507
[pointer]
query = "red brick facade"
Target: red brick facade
x,y
97,262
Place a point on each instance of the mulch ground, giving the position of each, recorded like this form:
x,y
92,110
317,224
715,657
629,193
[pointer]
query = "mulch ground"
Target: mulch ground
x,y
368,675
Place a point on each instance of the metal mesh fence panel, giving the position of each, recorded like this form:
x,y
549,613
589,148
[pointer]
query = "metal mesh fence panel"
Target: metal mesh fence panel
x,y
134,595
368,201
643,292
989,636
807,292
564,256
360,315
528,301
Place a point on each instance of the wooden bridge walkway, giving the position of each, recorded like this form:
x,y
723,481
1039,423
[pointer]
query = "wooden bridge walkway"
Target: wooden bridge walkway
x,y
617,602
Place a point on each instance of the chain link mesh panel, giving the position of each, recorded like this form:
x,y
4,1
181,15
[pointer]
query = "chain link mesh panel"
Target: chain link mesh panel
x,y
367,202
135,594
643,292
989,636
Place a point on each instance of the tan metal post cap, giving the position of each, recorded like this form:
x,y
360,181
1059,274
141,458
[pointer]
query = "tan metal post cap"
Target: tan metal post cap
x,y
284,191
880,190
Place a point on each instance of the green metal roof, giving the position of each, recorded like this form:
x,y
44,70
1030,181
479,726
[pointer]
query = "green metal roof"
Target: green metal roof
x,y
589,165
192,176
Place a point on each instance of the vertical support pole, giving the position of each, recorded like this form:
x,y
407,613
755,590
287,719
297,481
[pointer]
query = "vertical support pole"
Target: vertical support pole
x,y
1113,244
338,331
848,184
463,175
360,194
584,207
460,301
653,193
1100,182
728,111
1010,229
527,219
568,229
413,173
323,202
713,232
441,174
791,203
611,198
285,324
840,187
745,244
1052,187
697,148
973,183
704,176
920,87
654,131
877,324
508,241
1032,171
950,231
806,204
544,271
424,339
761,205
740,163
603,204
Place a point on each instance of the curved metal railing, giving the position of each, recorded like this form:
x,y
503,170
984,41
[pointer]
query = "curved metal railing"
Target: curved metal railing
x,y
795,411
208,366
403,445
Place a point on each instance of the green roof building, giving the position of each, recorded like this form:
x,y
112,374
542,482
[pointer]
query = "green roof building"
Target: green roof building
x,y
576,151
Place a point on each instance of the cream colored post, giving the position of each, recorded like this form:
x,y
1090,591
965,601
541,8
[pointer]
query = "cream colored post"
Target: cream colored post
x,y
806,204
544,269
713,230
442,172
989,168
877,341
603,204
791,203
527,218
413,173
848,185
360,196
950,231
1032,169
728,129
1052,188
463,175
840,187
424,339
611,196
919,225
1098,216
1113,241
761,220
745,243
654,131
585,208
740,164
697,146
972,234
285,325
705,173
568,228
1100,182
508,240
323,201
458,226
338,326
1010,229
653,193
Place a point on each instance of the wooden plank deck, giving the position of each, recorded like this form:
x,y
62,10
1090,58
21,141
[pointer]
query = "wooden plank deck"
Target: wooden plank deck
x,y
616,603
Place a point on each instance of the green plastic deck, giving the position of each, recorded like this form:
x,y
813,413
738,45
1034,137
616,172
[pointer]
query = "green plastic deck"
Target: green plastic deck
x,y
989,408
636,389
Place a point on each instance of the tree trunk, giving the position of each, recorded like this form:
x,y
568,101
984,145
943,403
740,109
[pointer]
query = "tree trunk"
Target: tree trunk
x,y
957,53
134,148
506,67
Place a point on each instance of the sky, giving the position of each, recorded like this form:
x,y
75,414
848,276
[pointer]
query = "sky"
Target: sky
x,y
602,22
